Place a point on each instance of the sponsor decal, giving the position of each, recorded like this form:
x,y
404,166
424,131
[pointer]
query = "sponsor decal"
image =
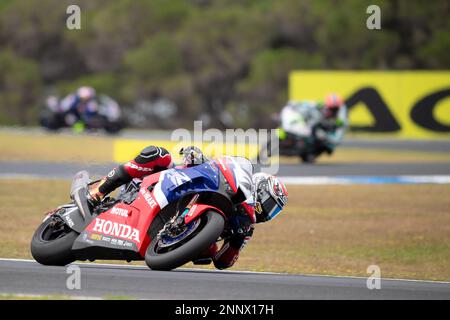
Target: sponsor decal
x,y
138,168
192,210
69,221
410,104
176,177
116,229
148,197
95,236
112,173
128,244
119,212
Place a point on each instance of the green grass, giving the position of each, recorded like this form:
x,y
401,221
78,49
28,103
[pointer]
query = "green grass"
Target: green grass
x,y
90,149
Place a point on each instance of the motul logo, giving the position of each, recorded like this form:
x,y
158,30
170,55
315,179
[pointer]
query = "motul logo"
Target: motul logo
x,y
116,229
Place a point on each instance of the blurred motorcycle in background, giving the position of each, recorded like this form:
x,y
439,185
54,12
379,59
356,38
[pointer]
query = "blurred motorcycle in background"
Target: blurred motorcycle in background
x,y
308,129
307,148
107,116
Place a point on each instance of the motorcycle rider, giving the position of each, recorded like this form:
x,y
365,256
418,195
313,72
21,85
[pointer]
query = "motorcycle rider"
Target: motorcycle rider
x,y
80,108
269,196
320,121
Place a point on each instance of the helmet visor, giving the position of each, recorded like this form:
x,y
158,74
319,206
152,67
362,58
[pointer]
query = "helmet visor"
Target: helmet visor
x,y
270,208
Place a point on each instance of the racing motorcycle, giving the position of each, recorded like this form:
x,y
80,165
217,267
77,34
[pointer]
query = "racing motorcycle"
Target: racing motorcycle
x,y
307,148
167,219
109,117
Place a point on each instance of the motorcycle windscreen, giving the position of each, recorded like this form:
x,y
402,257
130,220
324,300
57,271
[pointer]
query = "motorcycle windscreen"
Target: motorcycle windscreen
x,y
175,182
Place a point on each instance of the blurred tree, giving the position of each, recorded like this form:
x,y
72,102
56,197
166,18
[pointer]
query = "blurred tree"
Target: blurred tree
x,y
220,60
36,30
20,89
269,72
106,83
108,34
217,46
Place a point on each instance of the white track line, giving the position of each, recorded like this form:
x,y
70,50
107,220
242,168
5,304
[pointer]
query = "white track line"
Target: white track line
x,y
123,266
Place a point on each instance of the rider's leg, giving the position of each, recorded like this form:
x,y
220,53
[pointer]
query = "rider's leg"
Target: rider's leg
x,y
229,253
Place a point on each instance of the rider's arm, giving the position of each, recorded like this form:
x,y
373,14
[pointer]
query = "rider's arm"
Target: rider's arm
x,y
150,160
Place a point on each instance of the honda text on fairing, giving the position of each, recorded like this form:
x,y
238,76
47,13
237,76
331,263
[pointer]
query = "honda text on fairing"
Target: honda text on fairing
x,y
168,218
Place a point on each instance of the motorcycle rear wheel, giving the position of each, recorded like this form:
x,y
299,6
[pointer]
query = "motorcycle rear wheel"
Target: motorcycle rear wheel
x,y
210,228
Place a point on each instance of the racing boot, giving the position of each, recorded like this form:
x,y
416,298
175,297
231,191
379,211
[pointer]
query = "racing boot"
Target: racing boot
x,y
206,256
226,257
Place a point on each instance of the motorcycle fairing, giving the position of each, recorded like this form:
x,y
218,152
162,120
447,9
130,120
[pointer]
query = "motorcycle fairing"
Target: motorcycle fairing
x,y
121,232
196,210
173,183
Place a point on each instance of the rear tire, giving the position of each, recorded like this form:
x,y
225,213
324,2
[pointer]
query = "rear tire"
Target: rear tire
x,y
53,252
212,225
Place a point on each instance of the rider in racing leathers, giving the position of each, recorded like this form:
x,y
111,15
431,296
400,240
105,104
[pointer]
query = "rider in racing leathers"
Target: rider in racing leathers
x,y
80,108
325,121
269,196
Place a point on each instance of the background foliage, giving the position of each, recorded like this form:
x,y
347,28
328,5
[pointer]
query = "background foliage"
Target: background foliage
x,y
222,61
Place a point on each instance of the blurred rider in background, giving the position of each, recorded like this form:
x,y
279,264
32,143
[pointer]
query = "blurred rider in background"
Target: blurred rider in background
x,y
322,122
80,108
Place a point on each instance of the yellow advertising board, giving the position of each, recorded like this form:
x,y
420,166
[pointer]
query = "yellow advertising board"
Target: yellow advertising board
x,y
405,104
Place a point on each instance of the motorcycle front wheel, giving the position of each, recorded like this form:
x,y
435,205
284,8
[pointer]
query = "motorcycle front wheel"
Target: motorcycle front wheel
x,y
199,235
52,243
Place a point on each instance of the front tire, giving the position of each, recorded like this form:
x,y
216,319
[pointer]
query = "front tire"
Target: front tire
x,y
211,227
49,247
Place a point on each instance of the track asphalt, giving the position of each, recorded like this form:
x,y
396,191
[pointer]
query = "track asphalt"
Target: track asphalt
x,y
100,280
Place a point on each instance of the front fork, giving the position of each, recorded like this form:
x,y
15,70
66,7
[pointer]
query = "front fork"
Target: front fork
x,y
177,223
191,212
